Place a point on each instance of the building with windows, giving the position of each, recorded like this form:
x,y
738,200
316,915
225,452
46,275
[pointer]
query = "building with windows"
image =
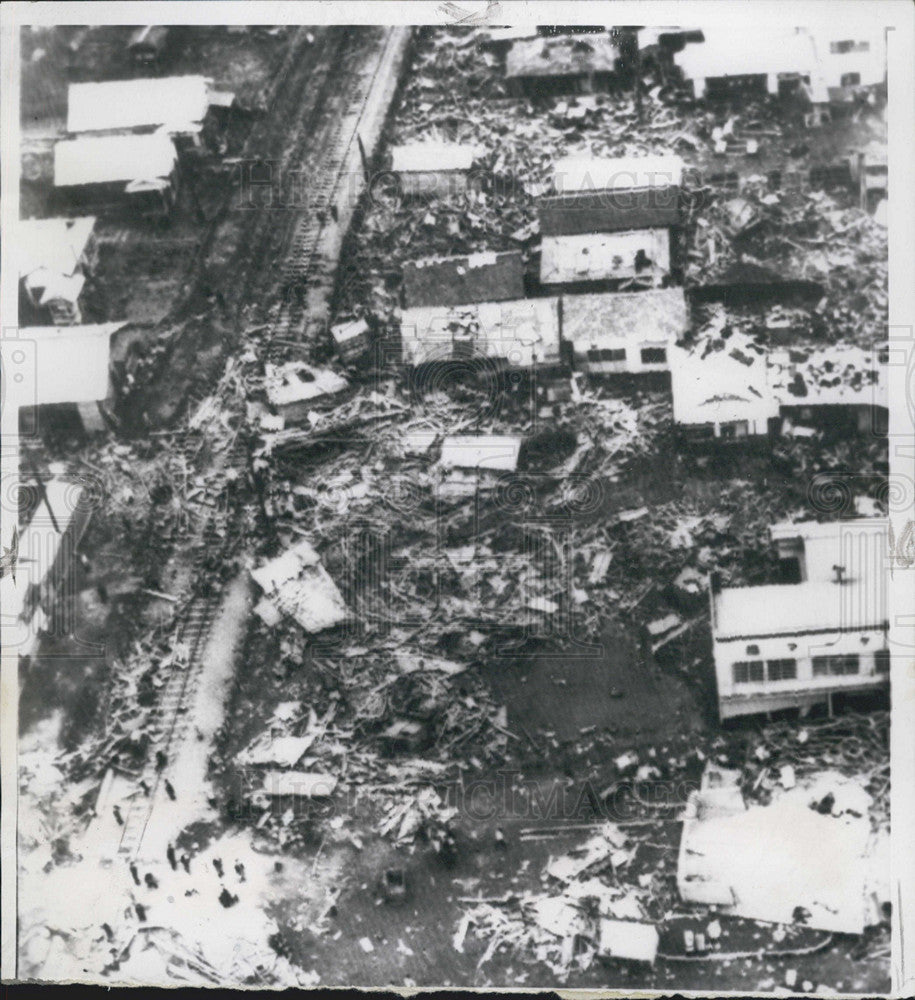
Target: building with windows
x,y
55,258
820,631
624,332
722,396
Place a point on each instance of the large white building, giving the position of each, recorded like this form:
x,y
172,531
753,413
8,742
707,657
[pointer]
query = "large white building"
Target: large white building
x,y
824,630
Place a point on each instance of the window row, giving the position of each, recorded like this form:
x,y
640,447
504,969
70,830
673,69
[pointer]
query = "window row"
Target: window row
x,y
649,355
757,671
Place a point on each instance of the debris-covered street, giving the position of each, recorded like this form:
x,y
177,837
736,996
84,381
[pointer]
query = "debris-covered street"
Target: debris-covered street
x,y
457,580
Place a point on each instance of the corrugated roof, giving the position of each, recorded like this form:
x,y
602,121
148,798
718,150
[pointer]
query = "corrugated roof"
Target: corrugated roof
x,y
657,314
563,55
55,245
523,332
177,102
113,159
431,156
479,277
602,256
858,544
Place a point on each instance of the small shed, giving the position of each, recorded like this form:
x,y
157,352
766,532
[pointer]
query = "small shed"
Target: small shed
x,y
520,334
55,257
352,339
432,168
639,258
624,332
452,281
604,195
562,64
721,397
140,168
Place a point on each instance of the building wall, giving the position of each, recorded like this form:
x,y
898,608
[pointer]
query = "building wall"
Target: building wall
x,y
747,696
415,184
750,426
592,356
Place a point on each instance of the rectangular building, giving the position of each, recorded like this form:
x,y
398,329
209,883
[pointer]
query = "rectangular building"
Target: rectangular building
x,y
437,169
138,168
638,258
518,334
562,64
795,644
453,281
604,195
624,332
721,397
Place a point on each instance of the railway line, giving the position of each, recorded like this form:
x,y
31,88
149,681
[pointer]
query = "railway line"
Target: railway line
x,y
337,127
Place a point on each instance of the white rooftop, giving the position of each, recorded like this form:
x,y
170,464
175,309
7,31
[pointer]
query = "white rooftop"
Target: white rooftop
x,y
71,363
524,331
177,102
602,256
764,50
718,387
55,245
575,174
790,608
857,544
832,376
113,159
499,454
431,156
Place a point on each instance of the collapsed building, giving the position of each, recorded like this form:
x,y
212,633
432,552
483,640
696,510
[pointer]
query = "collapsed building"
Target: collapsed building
x,y
562,64
795,644
56,256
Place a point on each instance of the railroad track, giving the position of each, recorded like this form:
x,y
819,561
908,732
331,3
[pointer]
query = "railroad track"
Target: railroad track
x,y
306,262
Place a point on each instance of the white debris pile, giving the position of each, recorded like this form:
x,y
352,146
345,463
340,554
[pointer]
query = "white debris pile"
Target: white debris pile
x,y
589,913
297,584
803,858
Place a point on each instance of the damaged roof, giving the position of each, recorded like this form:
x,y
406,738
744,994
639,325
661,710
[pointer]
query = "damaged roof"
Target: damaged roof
x,y
477,277
830,376
113,158
562,55
297,382
177,102
53,245
603,256
857,544
522,331
297,584
659,314
720,386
